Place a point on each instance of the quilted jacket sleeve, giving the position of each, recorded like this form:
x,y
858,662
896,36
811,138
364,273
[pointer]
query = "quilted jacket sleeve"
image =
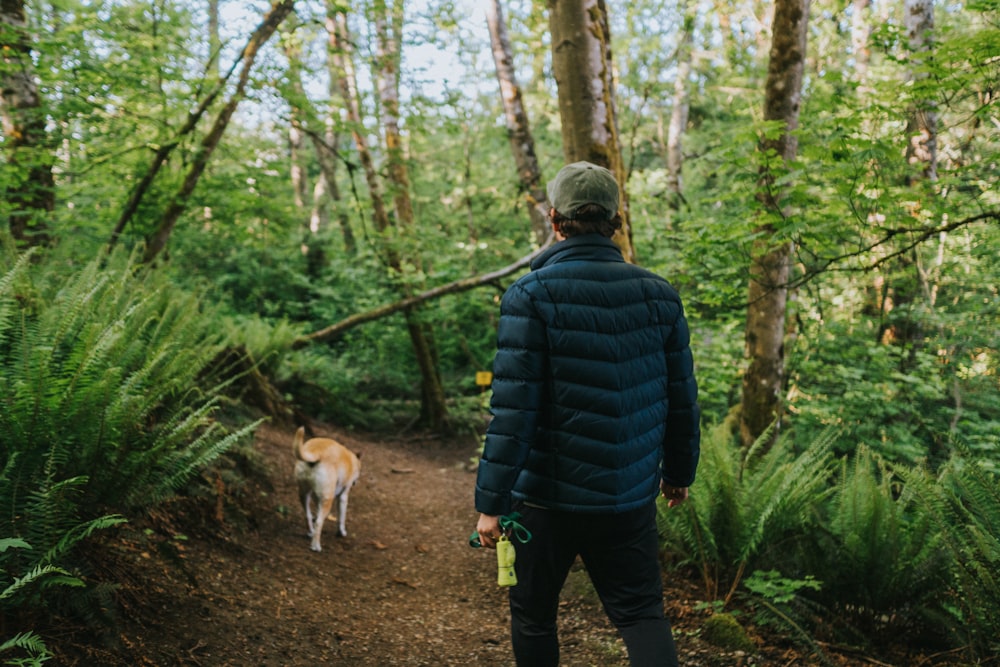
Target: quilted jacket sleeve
x,y
681,441
518,392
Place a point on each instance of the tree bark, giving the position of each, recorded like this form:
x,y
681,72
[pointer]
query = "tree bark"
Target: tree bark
x,y
327,146
581,63
214,41
301,115
522,143
388,26
30,197
679,112
763,381
860,36
341,53
921,131
158,239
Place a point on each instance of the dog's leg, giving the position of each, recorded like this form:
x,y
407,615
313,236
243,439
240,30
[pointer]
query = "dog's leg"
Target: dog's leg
x,y
342,516
307,505
322,510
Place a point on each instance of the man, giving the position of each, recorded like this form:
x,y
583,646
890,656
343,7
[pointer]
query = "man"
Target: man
x,y
594,414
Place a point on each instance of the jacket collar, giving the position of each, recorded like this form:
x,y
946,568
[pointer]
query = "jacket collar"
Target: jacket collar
x,y
592,247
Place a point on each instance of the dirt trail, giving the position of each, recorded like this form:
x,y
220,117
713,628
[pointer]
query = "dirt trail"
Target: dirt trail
x,y
404,588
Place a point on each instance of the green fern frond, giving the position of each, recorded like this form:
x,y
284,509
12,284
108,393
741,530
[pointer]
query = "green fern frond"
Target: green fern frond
x,y
30,642
37,574
962,504
104,402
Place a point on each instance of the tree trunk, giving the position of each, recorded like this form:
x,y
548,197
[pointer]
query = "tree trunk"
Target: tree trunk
x,y
299,116
326,149
770,262
158,240
214,41
860,47
581,63
341,52
30,195
908,284
433,410
388,26
522,143
679,113
921,130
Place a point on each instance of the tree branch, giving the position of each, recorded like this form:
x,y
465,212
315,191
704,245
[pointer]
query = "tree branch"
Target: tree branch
x,y
921,234
463,285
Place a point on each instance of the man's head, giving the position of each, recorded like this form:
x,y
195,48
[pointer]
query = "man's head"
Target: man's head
x,y
584,200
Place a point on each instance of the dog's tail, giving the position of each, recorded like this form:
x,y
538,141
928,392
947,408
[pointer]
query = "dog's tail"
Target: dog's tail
x,y
300,436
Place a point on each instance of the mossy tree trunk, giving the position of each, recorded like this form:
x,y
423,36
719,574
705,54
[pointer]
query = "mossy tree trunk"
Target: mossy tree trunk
x,y
29,190
767,297
522,143
582,65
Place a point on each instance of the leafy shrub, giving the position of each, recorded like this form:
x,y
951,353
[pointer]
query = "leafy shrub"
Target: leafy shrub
x,y
878,554
105,405
748,508
963,504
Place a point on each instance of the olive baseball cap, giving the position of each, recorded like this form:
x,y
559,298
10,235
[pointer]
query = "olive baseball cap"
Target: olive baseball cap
x,y
583,183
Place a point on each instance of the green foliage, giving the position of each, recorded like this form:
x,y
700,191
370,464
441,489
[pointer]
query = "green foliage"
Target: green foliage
x,y
747,509
874,553
772,586
29,642
879,554
15,594
963,504
106,403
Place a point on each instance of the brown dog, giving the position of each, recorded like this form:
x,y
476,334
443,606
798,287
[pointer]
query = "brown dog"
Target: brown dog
x,y
325,470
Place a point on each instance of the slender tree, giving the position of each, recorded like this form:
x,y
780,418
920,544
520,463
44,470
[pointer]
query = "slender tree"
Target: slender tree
x,y
904,290
770,262
522,143
389,28
433,409
214,40
291,44
29,186
680,109
582,65
921,130
157,241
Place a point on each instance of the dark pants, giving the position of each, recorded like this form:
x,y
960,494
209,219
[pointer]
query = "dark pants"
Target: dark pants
x,y
620,552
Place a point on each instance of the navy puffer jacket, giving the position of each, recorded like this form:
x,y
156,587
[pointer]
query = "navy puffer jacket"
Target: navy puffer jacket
x,y
594,395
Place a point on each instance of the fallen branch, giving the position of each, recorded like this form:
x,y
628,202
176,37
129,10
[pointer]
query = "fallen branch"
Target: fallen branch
x,y
463,285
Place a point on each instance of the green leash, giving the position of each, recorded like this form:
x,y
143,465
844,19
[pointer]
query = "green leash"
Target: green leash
x,y
508,522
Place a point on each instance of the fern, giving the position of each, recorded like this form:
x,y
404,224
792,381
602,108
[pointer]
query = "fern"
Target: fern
x,y
14,593
747,508
105,404
963,503
878,556
37,651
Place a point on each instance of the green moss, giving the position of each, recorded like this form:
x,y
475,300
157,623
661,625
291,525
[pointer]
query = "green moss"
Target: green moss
x,y
724,631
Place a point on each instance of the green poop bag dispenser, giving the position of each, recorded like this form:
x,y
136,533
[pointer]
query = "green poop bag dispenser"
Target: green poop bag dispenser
x,y
505,562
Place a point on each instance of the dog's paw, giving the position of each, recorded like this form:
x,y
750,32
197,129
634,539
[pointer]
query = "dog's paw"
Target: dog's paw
x,y
315,547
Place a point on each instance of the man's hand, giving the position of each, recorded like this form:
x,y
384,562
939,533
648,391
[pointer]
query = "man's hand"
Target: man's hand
x,y
675,495
489,530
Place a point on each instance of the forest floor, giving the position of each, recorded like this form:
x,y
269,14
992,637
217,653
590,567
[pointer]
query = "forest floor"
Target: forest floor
x,y
231,581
